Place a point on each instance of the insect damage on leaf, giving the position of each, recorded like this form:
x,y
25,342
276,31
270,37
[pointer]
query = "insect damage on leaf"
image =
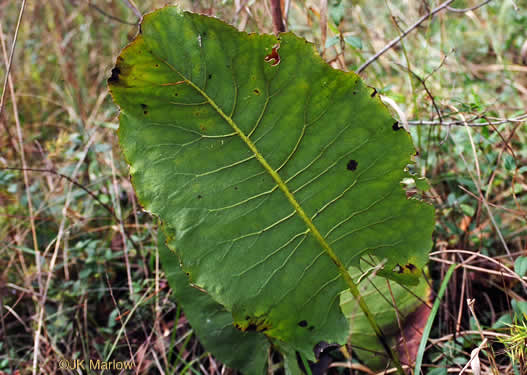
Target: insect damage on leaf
x,y
114,78
273,57
408,268
252,324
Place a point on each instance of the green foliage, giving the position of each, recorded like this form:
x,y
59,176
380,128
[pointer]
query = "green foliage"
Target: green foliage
x,y
520,266
267,168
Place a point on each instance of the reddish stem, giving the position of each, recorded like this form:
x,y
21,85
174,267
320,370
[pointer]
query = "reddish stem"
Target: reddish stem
x,y
278,21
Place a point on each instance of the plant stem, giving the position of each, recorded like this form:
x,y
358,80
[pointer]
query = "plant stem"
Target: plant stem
x,y
380,335
278,21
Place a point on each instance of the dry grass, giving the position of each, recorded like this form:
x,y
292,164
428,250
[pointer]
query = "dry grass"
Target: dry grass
x,y
79,272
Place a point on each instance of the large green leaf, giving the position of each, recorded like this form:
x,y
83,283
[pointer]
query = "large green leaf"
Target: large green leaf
x,y
213,324
268,169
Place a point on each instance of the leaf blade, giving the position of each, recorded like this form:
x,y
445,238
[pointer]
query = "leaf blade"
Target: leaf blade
x,y
240,234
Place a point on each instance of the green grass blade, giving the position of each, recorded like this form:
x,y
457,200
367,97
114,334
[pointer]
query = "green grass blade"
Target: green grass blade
x,y
428,327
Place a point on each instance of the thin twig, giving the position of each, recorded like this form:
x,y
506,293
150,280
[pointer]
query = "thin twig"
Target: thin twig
x,y
10,63
323,24
464,10
112,17
422,81
121,228
474,268
471,123
490,259
74,182
473,356
477,182
404,34
130,4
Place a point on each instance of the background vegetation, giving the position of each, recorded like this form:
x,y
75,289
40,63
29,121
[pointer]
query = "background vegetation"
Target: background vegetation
x,y
79,269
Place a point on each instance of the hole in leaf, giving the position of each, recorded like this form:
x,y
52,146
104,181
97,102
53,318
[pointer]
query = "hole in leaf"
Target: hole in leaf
x,y
397,269
302,323
396,126
273,57
256,91
210,76
410,266
374,92
200,196
352,165
115,75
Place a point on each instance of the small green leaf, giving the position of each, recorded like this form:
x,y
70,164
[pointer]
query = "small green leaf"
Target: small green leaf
x,y
330,42
519,308
337,10
504,321
353,41
467,209
508,162
520,266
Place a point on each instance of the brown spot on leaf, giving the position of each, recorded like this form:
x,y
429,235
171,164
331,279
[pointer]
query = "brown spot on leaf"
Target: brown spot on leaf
x,y
273,56
410,266
256,91
352,165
